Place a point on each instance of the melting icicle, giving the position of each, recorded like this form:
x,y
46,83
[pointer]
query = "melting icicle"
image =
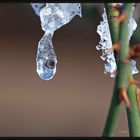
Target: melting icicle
x,y
52,16
46,58
105,45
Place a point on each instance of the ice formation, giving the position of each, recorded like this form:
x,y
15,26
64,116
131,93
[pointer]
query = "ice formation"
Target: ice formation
x,y
46,58
52,16
37,7
105,45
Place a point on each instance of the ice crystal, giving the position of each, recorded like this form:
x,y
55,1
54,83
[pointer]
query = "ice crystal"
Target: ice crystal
x,y
55,15
105,45
52,17
37,7
133,67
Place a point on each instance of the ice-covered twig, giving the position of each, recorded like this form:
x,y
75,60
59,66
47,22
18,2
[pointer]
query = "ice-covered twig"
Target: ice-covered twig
x,y
123,90
105,45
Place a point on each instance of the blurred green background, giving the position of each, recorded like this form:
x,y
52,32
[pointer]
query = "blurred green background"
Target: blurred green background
x,y
76,101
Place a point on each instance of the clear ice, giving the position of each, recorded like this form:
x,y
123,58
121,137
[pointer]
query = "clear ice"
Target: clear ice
x,y
37,7
52,16
105,45
46,57
55,15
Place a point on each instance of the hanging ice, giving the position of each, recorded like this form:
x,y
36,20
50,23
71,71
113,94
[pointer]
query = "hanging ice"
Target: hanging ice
x,y
55,15
105,45
52,16
46,58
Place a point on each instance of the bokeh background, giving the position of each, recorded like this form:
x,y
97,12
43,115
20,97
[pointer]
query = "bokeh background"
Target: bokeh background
x,y
76,101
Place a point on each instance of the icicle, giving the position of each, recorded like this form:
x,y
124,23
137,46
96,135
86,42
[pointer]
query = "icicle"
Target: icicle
x,y
105,45
52,16
46,58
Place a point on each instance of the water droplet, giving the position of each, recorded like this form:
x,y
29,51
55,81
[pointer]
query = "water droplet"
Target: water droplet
x,y
46,58
52,16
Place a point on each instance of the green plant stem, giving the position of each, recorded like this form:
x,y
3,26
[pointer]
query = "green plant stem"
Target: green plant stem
x,y
113,26
121,80
123,66
113,113
133,111
114,109
133,114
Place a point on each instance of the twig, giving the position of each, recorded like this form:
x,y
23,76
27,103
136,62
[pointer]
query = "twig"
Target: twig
x,y
114,106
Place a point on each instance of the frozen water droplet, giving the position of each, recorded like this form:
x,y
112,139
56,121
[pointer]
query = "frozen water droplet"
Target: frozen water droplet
x,y
105,44
52,16
46,58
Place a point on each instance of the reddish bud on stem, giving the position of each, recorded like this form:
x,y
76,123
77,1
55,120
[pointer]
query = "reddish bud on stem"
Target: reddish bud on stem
x,y
138,97
135,51
121,18
133,82
116,47
123,97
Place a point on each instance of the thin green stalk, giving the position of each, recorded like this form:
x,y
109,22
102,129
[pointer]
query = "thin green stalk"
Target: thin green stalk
x,y
123,66
114,109
113,113
133,114
113,26
121,80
